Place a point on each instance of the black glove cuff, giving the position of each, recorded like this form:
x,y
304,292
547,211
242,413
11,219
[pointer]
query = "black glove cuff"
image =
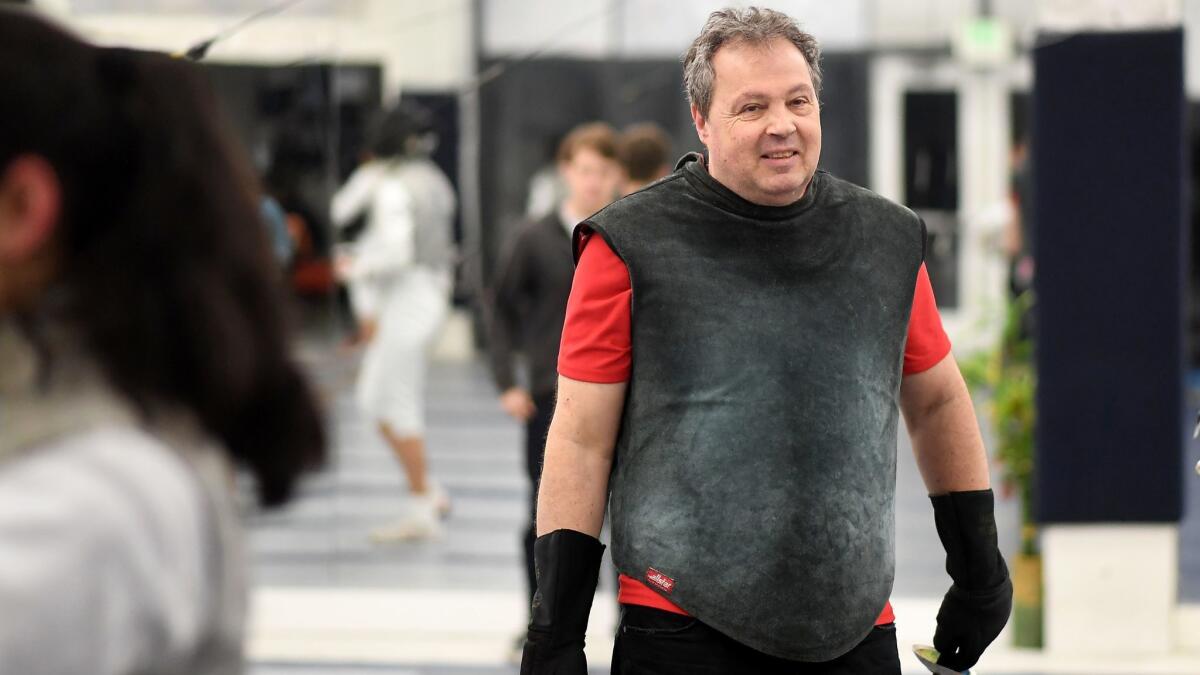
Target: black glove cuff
x,y
566,565
966,524
1000,593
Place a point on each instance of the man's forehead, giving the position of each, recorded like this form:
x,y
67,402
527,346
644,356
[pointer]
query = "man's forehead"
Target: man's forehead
x,y
770,57
772,49
778,51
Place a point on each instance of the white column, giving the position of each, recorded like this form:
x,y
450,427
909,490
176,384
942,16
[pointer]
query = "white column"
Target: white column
x,y
889,75
1110,589
983,151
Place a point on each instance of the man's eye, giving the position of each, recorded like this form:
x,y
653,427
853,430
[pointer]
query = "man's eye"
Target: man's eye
x,y
800,102
752,108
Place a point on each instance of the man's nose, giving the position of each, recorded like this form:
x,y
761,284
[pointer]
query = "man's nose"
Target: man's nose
x,y
780,122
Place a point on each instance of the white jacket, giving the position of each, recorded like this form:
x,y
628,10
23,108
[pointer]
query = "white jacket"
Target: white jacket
x,y
119,547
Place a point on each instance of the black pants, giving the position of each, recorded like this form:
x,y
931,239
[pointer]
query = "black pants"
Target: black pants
x,y
654,642
535,451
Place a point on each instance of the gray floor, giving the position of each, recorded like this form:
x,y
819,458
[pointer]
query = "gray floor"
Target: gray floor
x,y
321,539
474,450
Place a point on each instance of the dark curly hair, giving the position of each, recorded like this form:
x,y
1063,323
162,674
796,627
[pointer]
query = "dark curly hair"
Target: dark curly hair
x,y
162,251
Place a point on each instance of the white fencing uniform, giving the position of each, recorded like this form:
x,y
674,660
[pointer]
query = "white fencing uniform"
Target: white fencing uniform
x,y
401,277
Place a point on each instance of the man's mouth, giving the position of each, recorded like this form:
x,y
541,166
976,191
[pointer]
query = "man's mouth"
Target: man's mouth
x,y
782,154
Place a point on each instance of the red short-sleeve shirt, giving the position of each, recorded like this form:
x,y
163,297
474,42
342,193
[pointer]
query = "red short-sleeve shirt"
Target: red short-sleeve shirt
x,y
596,347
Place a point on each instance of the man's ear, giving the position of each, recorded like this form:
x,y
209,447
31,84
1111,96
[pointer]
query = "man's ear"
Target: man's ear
x,y
30,204
701,125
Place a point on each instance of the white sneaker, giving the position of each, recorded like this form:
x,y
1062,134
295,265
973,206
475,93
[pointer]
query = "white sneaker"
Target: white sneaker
x,y
420,522
441,499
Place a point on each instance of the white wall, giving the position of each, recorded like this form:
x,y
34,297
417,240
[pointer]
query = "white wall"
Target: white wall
x,y
519,27
931,23
645,28
1191,41
418,44
657,28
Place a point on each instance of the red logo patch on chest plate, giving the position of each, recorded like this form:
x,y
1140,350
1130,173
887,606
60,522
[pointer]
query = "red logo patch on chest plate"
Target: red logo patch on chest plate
x,y
662,581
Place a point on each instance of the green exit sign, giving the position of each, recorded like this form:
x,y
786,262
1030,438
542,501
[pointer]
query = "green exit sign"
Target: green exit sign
x,y
983,41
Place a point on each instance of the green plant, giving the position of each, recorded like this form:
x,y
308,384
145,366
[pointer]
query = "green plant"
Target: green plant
x,y
1007,373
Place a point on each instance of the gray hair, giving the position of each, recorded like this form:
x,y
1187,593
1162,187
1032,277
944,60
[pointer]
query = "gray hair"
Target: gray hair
x,y
754,25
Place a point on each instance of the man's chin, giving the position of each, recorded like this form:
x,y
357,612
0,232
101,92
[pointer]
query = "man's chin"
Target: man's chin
x,y
783,192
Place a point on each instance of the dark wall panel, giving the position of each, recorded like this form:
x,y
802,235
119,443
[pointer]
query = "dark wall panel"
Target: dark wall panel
x,y
1109,203
302,140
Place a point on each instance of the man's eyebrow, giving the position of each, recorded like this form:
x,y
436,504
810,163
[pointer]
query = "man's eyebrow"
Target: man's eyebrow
x,y
801,88
747,96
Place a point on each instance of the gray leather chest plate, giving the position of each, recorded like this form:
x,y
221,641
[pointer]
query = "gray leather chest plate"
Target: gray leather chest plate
x,y
755,470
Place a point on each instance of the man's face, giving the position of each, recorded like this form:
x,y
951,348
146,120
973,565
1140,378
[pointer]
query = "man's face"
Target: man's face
x,y
763,129
591,180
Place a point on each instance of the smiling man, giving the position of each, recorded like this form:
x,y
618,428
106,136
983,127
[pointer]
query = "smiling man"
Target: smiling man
x,y
739,343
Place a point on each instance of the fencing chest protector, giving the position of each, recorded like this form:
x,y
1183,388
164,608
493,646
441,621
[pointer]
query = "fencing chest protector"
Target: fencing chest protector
x,y
756,463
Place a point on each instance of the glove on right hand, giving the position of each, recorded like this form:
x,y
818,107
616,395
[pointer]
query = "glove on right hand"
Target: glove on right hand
x,y
566,565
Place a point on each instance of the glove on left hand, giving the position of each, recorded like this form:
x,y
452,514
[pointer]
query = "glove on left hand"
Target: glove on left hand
x,y
979,602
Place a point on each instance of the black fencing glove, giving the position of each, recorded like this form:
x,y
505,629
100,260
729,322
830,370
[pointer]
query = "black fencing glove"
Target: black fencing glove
x,y
566,564
979,602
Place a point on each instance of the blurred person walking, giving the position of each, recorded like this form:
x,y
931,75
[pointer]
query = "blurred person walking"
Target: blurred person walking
x,y
1019,230
530,296
400,276
142,355
644,151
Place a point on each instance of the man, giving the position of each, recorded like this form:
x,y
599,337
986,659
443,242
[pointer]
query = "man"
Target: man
x,y
760,324
643,151
530,295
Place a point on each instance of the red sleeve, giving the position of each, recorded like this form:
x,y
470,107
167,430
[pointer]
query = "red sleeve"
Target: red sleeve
x,y
596,339
596,336
927,342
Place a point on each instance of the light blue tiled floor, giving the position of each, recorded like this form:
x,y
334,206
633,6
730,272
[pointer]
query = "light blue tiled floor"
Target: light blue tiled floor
x,y
475,452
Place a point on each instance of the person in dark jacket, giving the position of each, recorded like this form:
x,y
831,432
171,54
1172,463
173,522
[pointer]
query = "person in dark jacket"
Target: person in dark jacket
x,y
530,295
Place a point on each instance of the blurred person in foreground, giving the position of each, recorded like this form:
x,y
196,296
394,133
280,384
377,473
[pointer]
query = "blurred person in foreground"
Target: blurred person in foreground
x,y
530,295
764,325
400,273
644,151
142,355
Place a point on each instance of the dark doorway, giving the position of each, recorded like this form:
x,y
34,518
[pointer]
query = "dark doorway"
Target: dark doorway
x,y
931,182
